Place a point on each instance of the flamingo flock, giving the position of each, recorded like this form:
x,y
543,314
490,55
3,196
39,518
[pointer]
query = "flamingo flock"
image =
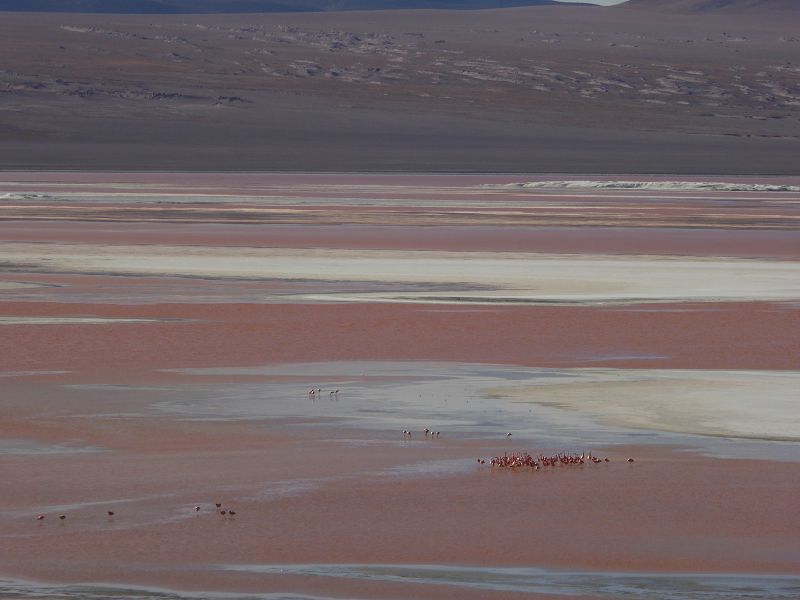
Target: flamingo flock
x,y
220,511
429,433
110,513
60,517
526,460
316,394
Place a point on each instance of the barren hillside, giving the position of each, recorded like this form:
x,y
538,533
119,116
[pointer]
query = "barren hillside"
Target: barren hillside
x,y
526,89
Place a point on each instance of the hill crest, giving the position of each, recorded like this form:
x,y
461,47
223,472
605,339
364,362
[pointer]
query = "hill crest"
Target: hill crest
x,y
710,6
251,6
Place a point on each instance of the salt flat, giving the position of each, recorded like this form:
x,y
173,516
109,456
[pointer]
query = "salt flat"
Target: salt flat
x,y
174,325
476,277
67,320
745,404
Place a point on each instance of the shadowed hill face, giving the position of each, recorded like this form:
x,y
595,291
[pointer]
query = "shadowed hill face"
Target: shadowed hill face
x,y
723,6
245,6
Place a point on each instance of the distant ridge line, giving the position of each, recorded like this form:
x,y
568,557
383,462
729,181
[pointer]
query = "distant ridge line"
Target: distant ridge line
x,y
254,6
714,6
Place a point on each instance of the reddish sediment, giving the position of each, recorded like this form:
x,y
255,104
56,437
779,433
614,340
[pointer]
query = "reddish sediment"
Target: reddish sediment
x,y
557,240
545,209
410,200
752,335
667,512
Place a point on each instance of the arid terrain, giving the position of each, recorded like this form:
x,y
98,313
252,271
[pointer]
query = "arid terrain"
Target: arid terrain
x,y
161,333
578,89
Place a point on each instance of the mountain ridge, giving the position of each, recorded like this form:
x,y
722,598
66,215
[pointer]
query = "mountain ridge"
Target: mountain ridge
x,y
251,6
714,6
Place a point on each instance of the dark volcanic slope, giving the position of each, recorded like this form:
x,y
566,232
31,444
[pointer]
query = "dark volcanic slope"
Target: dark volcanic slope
x,y
723,6
527,89
247,6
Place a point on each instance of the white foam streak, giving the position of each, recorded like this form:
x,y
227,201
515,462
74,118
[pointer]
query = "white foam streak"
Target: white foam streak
x,y
687,186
